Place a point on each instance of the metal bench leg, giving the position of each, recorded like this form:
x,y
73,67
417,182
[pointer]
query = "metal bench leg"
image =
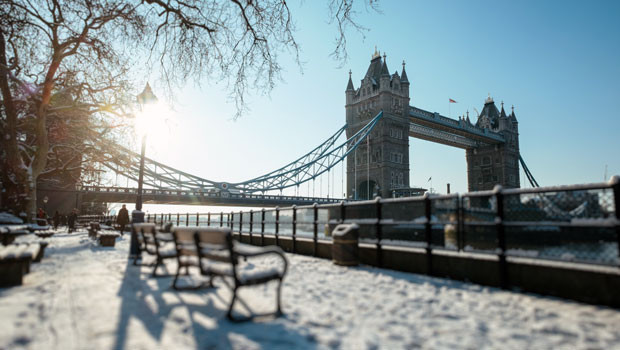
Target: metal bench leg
x,y
157,263
176,278
279,297
232,304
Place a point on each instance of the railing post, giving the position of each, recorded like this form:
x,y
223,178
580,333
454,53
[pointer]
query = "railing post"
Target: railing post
x,y
428,232
221,218
315,224
342,212
251,223
379,232
209,219
197,219
240,224
460,225
501,236
262,227
277,225
294,228
178,219
615,183
186,219
148,217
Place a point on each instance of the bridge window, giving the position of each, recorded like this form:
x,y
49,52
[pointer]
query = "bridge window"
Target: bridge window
x,y
511,179
396,133
396,157
376,156
480,180
486,160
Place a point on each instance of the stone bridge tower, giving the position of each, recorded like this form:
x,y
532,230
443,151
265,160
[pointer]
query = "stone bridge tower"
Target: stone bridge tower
x,y
495,164
380,164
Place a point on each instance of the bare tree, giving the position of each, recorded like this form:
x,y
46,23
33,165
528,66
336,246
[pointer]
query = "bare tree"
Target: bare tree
x,y
63,59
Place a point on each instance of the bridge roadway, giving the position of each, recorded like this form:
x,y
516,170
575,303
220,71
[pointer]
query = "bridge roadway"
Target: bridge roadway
x,y
457,133
193,197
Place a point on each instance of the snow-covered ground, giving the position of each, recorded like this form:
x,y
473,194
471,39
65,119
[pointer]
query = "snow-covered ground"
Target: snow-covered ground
x,y
82,296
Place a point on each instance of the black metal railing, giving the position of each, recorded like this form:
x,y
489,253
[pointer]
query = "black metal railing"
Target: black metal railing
x,y
578,223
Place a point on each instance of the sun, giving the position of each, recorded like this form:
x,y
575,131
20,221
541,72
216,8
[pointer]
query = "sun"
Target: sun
x,y
156,121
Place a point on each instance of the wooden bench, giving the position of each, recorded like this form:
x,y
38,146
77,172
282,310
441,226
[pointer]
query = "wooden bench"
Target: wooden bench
x,y
108,238
219,256
155,243
8,233
15,260
186,253
104,234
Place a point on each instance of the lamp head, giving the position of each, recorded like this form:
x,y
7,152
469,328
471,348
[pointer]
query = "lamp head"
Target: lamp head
x,y
146,96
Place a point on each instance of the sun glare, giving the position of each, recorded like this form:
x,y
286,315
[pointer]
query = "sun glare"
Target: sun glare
x,y
156,121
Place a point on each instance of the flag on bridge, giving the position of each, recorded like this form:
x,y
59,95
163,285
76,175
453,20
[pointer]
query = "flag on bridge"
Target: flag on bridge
x,y
429,179
452,101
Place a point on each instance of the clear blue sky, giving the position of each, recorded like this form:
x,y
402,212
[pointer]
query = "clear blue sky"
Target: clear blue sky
x,y
556,61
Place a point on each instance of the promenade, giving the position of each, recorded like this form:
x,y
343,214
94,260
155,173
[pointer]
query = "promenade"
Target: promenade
x,y
83,296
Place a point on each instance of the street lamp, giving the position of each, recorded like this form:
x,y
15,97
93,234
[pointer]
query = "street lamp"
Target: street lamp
x,y
45,199
146,97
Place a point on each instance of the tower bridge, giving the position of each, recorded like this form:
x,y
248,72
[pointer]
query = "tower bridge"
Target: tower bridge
x,y
381,165
379,122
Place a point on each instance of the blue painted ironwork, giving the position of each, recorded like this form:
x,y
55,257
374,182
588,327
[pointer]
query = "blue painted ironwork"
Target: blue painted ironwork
x,y
321,159
528,174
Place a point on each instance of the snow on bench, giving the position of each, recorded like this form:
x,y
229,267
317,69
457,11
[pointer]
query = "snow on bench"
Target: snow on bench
x,y
103,233
15,260
8,233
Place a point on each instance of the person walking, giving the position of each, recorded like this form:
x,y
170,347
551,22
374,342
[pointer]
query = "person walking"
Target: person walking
x,y
71,220
123,218
56,219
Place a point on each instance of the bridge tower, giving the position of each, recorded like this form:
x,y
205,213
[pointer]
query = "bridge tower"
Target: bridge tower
x,y
495,164
380,164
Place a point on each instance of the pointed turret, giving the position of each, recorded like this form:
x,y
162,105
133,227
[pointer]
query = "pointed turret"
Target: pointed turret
x,y
502,114
384,69
403,75
489,117
350,84
513,117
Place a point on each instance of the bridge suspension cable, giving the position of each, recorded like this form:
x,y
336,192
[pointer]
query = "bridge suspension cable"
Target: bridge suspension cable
x,y
311,165
528,174
321,159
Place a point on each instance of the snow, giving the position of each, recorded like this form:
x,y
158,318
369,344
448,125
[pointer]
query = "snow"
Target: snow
x,y
7,218
83,296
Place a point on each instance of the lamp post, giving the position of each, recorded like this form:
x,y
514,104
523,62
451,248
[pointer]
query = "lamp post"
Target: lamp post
x,y
45,199
137,216
144,98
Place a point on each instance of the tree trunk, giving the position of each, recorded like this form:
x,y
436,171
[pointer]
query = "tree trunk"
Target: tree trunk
x,y
14,176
